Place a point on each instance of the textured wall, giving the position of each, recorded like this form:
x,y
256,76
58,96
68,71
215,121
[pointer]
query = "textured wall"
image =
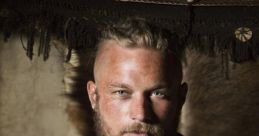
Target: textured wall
x,y
30,101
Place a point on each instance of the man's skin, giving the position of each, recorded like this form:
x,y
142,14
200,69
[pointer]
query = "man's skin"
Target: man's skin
x,y
132,87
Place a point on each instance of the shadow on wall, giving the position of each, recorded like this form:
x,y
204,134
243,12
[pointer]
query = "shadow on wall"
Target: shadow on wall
x,y
30,101
216,106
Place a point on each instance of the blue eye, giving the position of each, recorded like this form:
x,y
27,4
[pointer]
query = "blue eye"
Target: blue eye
x,y
158,93
120,93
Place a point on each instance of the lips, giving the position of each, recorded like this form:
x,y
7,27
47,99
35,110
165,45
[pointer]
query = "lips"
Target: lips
x,y
135,134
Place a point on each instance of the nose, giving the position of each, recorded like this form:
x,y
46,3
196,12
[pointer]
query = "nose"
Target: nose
x,y
140,109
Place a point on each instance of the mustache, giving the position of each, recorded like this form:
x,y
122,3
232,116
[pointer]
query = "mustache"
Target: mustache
x,y
153,130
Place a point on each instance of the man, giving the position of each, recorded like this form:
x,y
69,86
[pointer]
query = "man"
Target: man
x,y
136,87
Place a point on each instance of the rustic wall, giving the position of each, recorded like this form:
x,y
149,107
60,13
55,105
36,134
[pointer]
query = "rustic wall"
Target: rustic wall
x,y
30,93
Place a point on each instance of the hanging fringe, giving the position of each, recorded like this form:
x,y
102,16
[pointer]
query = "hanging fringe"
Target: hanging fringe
x,y
30,40
42,42
6,22
241,51
44,46
188,26
225,64
204,33
47,45
80,34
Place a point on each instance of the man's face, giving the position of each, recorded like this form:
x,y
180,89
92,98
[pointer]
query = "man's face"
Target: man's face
x,y
132,94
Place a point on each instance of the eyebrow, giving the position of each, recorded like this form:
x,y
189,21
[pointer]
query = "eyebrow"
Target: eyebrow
x,y
157,86
126,86
119,85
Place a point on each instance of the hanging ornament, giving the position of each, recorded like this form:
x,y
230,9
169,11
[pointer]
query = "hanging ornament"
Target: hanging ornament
x,y
243,34
190,1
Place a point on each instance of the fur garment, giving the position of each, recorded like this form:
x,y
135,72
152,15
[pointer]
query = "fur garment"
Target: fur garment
x,y
220,103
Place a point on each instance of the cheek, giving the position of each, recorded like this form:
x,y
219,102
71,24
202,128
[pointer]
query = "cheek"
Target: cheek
x,y
113,112
162,108
109,107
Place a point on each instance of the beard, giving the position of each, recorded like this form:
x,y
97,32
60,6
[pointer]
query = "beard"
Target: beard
x,y
102,129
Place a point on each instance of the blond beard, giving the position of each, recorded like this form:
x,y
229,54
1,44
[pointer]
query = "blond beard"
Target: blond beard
x,y
102,129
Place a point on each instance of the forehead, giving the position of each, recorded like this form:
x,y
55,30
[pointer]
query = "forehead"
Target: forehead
x,y
112,53
118,62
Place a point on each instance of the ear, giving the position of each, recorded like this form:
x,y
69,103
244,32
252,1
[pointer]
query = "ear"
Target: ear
x,y
183,93
91,90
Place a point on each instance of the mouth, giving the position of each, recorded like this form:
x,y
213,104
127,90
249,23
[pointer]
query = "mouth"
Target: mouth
x,y
136,134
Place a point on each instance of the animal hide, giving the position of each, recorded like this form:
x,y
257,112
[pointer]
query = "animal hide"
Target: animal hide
x,y
215,105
